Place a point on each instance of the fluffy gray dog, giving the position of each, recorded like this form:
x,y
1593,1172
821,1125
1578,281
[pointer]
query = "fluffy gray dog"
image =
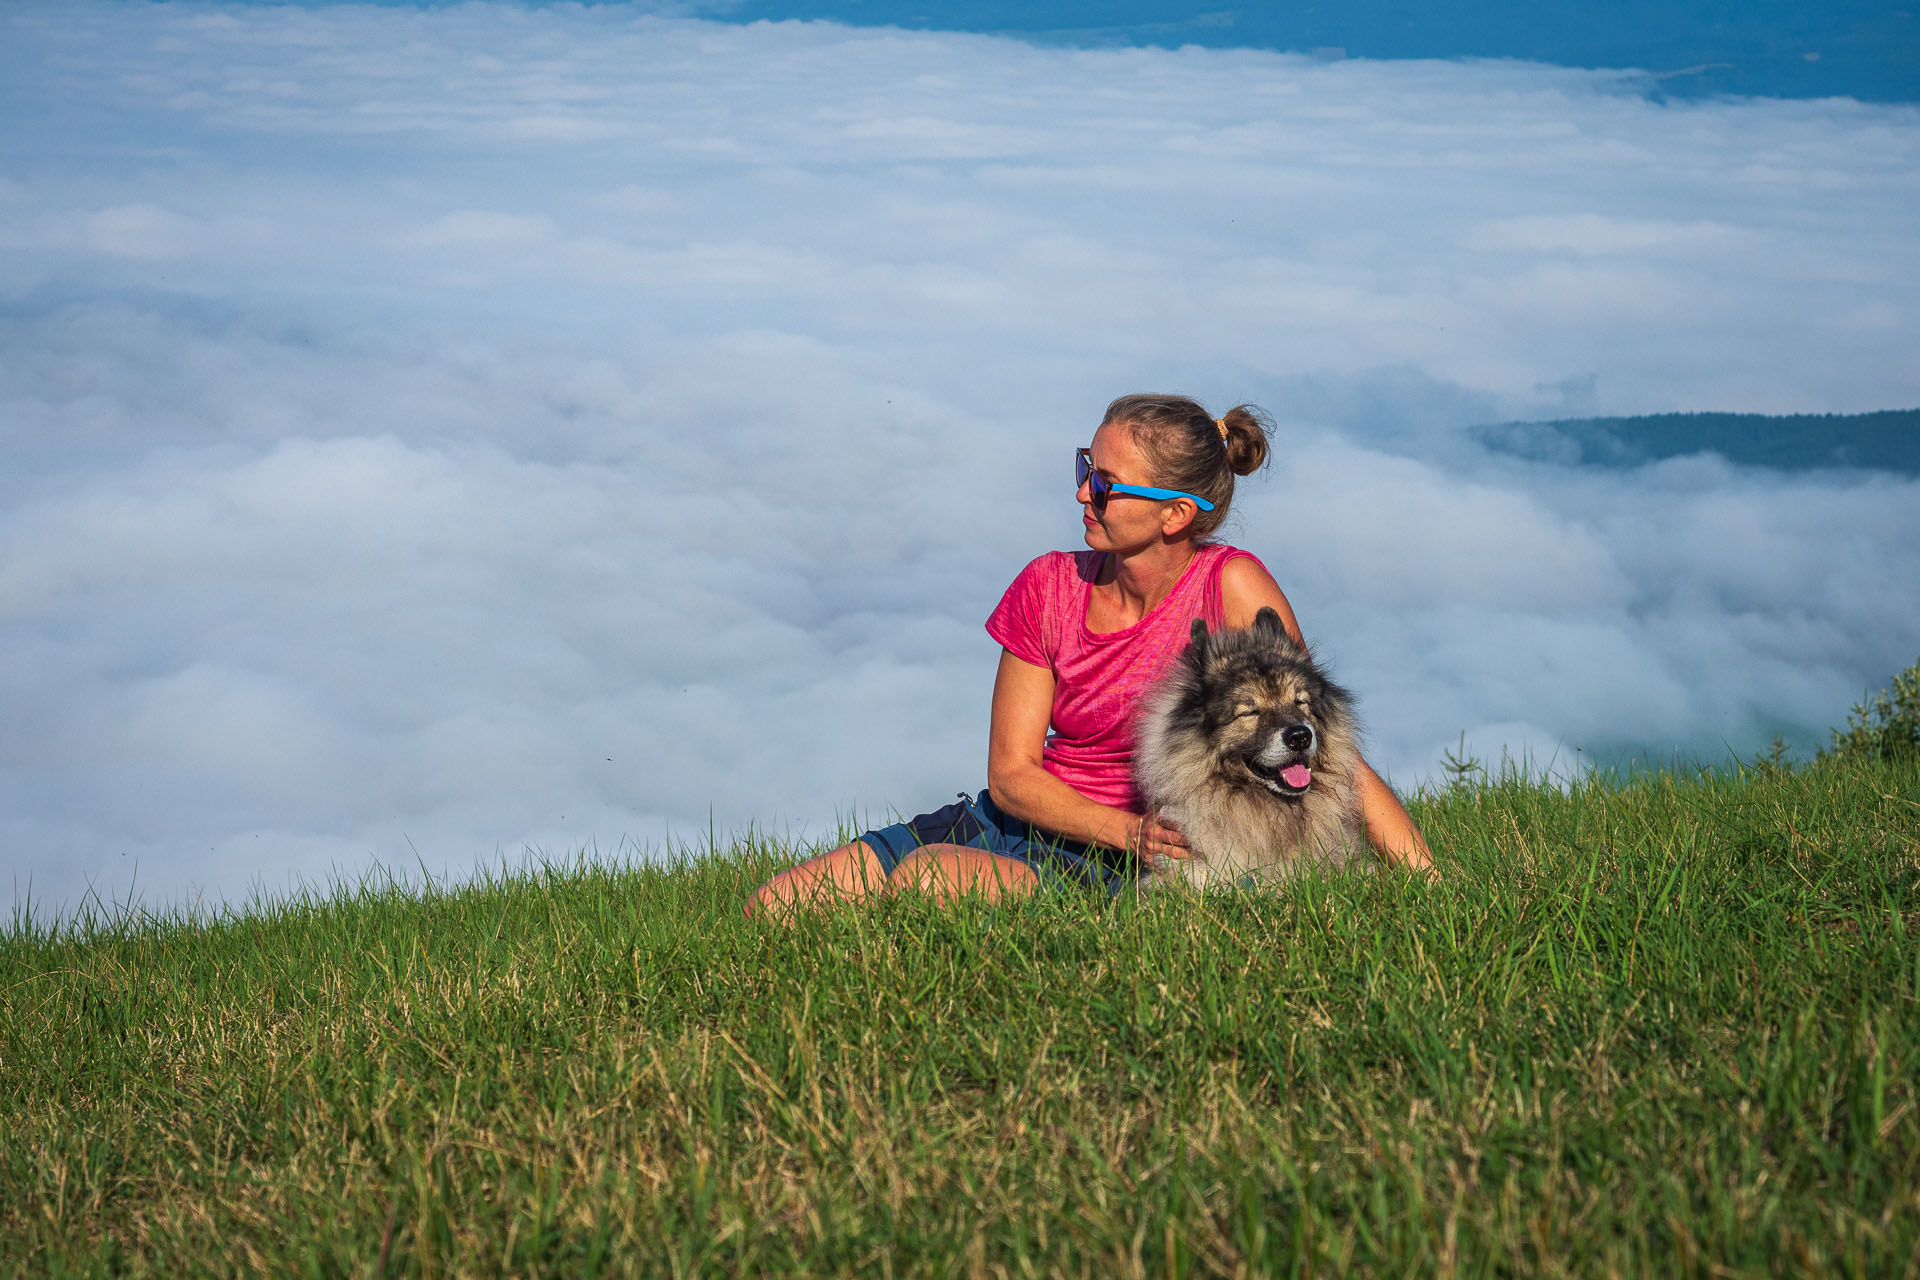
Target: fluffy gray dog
x,y
1251,752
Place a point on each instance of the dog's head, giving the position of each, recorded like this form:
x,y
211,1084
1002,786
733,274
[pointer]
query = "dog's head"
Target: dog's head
x,y
1269,715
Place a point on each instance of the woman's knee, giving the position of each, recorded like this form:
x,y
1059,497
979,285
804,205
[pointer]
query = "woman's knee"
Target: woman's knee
x,y
947,871
847,874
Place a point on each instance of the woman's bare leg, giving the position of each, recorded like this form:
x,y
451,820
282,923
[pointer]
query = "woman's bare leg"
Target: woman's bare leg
x,y
847,874
852,873
947,871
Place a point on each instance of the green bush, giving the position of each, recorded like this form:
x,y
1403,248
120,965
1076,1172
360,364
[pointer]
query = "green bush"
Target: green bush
x,y
1887,725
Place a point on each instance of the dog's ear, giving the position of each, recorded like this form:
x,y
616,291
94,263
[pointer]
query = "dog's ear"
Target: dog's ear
x,y
1199,634
1267,624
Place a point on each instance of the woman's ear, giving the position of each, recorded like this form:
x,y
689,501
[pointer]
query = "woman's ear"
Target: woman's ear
x,y
1177,516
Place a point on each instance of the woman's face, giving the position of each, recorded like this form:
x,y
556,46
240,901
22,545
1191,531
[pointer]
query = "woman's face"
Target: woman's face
x,y
1130,521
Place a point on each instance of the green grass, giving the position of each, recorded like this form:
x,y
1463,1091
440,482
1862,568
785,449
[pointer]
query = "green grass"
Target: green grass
x,y
1660,1026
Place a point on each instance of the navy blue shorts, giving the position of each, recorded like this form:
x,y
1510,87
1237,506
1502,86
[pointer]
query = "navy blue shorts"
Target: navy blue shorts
x,y
979,823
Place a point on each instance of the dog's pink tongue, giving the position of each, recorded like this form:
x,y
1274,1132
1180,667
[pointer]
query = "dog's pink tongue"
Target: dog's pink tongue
x,y
1296,775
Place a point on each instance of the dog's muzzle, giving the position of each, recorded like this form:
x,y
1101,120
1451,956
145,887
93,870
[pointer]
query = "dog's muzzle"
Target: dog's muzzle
x,y
1285,763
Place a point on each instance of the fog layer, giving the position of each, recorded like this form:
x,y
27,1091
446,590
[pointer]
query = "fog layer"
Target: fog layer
x,y
433,435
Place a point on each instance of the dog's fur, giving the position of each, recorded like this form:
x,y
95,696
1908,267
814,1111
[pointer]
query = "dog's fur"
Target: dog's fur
x,y
1242,720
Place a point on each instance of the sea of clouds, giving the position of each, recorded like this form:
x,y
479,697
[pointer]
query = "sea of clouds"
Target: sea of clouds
x,y
435,435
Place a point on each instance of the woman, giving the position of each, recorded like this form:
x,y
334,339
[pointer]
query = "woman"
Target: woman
x,y
1082,635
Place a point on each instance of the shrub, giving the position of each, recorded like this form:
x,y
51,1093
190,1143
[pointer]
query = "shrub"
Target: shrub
x,y
1887,725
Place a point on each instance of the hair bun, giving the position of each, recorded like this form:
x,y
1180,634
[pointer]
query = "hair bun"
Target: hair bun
x,y
1246,430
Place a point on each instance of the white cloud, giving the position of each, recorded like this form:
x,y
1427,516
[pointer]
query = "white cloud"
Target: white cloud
x,y
445,431
138,231
1593,234
475,228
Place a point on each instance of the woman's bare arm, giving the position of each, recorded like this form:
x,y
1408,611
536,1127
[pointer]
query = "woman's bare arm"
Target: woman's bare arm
x,y
1390,827
1022,711
1246,588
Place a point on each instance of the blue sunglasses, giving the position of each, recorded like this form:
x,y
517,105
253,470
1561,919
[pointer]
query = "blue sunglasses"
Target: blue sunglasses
x,y
1099,488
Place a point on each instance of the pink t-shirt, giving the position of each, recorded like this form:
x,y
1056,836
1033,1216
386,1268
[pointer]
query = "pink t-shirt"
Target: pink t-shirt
x,y
1099,677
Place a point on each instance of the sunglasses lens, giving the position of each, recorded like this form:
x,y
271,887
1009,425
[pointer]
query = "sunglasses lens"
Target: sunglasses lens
x,y
1084,474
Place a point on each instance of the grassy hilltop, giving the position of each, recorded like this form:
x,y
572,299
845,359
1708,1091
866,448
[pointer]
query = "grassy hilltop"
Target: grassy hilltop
x,y
1665,1025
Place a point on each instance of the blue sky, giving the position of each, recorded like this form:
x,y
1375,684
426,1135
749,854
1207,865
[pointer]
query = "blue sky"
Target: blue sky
x,y
1866,49
1779,48
437,433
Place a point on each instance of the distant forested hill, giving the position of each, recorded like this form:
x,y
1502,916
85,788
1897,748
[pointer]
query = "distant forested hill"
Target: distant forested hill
x,y
1885,441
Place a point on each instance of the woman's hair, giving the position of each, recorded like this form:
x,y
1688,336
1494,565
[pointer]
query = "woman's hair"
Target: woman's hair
x,y
1188,449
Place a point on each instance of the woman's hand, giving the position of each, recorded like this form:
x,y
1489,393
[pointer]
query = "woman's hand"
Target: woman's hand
x,y
1153,840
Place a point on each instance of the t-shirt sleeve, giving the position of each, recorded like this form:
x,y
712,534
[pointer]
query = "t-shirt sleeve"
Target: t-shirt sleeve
x,y
1023,622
